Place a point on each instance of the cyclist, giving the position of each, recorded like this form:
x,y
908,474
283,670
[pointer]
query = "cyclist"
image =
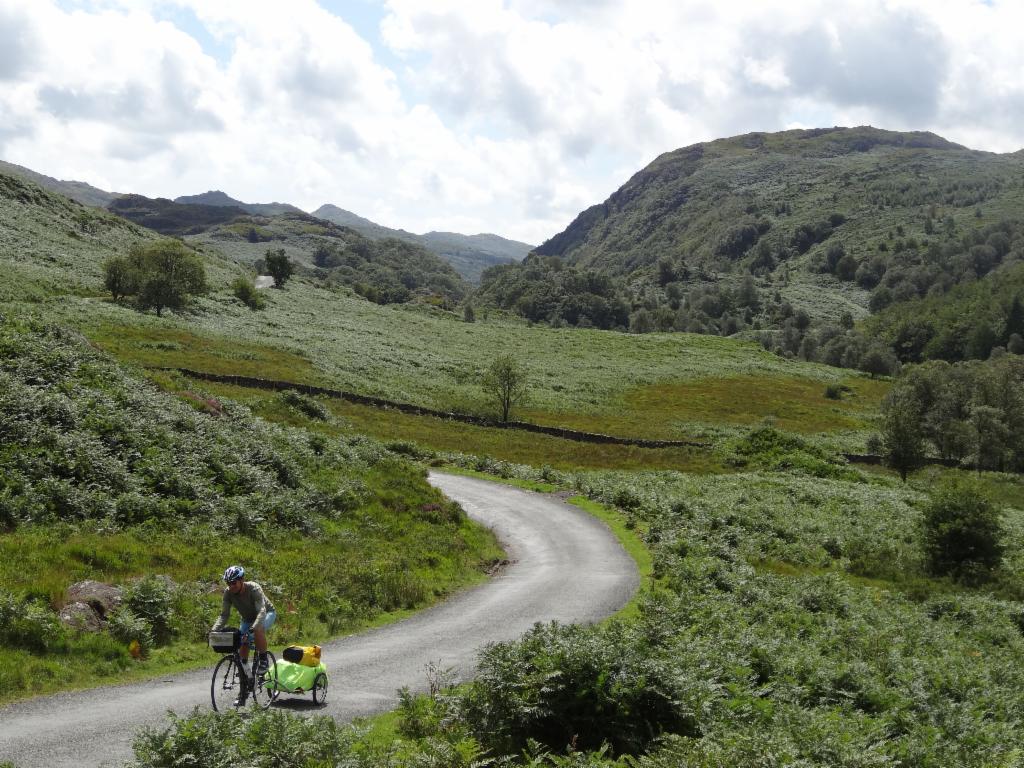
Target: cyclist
x,y
253,607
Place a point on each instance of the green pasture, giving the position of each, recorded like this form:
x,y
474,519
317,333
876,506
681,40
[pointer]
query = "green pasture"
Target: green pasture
x,y
654,385
444,435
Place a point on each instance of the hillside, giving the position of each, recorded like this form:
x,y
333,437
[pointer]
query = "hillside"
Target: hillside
x,y
795,612
52,245
171,218
387,271
664,385
470,255
84,193
788,237
105,477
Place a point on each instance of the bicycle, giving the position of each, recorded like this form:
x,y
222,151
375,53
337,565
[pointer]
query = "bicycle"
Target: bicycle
x,y
232,685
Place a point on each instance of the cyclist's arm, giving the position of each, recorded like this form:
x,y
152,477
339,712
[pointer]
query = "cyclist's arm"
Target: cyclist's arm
x,y
225,612
260,601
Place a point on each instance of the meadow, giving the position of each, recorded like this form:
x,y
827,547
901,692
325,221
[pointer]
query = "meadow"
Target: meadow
x,y
668,386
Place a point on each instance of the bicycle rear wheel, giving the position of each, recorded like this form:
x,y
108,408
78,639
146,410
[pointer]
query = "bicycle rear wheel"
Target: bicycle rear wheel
x,y
227,688
265,690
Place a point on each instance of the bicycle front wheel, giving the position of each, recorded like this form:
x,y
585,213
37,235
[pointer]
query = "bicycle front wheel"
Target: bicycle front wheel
x,y
228,686
265,690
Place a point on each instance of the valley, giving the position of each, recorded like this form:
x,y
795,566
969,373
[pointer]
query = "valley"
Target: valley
x,y
799,607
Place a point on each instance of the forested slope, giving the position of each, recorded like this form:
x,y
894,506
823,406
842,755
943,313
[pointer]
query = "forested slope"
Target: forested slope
x,y
792,237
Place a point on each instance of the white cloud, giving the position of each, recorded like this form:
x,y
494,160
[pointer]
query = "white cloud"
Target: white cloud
x,y
507,116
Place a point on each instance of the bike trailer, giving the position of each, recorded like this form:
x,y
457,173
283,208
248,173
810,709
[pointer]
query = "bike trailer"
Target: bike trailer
x,y
289,677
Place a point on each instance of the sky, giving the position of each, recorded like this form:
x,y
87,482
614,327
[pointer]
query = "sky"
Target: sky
x,y
503,116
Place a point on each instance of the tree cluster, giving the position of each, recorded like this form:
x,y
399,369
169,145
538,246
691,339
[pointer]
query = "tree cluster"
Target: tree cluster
x,y
971,412
160,275
387,271
544,289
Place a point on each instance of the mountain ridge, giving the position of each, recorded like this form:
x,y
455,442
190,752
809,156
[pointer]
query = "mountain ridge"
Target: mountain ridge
x,y
469,254
84,193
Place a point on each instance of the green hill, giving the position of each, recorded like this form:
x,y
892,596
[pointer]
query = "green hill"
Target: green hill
x,y
787,237
386,271
664,385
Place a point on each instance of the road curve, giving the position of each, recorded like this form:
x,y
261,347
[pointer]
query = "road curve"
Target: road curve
x,y
564,565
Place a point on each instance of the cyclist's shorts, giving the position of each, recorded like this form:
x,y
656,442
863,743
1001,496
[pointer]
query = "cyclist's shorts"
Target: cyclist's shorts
x,y
268,622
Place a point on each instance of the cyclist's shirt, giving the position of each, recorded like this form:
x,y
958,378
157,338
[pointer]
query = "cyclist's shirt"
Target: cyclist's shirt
x,y
252,605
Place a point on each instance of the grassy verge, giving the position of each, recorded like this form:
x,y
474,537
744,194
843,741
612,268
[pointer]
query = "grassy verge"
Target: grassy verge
x,y
323,587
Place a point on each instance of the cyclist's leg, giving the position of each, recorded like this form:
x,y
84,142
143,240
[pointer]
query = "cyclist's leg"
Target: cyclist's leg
x,y
245,628
261,631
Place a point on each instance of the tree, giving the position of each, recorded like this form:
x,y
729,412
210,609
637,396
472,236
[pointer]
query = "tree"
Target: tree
x,y
167,273
878,361
468,314
1014,320
963,533
990,436
902,432
278,266
119,277
505,382
846,267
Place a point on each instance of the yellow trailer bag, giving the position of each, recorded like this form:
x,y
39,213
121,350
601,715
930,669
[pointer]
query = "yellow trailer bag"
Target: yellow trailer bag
x,y
306,655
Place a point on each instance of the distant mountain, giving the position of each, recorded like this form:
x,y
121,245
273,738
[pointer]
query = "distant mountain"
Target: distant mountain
x,y
366,227
469,254
171,218
684,203
84,193
220,199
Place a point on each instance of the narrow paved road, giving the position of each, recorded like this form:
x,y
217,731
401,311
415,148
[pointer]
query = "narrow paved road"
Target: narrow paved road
x,y
565,565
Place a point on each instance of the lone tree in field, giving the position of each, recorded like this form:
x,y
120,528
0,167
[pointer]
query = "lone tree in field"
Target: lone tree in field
x,y
166,274
963,533
902,433
505,384
279,267
119,277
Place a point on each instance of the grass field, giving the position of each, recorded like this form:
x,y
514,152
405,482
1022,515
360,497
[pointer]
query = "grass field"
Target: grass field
x,y
656,385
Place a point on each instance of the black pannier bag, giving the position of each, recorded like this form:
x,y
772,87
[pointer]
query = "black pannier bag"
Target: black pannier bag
x,y
293,653
226,640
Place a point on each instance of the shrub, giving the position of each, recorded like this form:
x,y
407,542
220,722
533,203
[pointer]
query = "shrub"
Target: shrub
x,y
246,292
266,739
151,600
305,405
562,685
127,627
29,624
963,532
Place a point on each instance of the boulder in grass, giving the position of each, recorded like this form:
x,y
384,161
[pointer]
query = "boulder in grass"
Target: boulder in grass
x,y
81,616
103,598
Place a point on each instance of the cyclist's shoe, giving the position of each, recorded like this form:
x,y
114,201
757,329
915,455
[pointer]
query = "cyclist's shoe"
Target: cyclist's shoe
x,y
261,666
